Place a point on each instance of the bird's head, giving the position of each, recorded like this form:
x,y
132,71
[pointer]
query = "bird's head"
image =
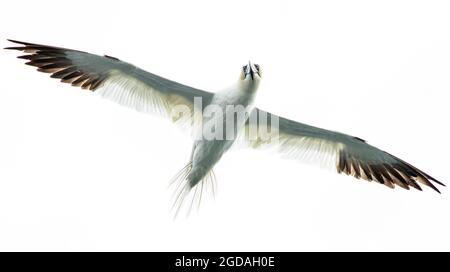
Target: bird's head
x,y
251,75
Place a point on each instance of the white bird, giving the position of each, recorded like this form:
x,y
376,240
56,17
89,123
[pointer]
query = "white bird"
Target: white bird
x,y
128,85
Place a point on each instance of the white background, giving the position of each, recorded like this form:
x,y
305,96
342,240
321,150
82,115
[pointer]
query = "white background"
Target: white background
x,y
81,173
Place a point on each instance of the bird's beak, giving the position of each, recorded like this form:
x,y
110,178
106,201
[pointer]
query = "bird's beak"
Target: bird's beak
x,y
252,70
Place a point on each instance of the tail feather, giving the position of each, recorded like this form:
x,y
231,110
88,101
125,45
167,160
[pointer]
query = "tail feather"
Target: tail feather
x,y
187,191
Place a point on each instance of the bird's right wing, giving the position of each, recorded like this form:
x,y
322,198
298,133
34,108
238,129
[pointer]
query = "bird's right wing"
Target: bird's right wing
x,y
116,80
343,153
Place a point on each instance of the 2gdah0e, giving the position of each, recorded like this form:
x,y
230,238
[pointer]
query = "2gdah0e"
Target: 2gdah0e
x,y
247,261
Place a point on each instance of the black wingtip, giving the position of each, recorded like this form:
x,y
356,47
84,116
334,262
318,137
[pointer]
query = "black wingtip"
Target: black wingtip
x,y
16,41
435,180
14,48
25,44
25,57
434,187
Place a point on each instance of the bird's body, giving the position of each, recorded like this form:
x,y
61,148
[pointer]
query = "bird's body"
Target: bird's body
x,y
217,134
223,116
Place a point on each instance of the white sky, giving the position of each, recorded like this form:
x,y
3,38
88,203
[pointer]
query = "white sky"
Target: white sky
x,y
81,173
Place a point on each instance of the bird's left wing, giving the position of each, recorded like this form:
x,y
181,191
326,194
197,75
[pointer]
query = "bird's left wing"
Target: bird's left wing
x,y
344,153
116,80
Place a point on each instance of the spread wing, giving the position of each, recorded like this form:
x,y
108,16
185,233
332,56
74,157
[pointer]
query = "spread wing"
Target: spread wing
x,y
346,154
116,80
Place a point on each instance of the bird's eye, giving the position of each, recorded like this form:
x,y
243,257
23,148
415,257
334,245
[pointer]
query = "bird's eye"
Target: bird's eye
x,y
257,66
244,68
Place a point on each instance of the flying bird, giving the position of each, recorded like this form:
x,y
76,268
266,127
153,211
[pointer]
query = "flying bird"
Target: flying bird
x,y
131,86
